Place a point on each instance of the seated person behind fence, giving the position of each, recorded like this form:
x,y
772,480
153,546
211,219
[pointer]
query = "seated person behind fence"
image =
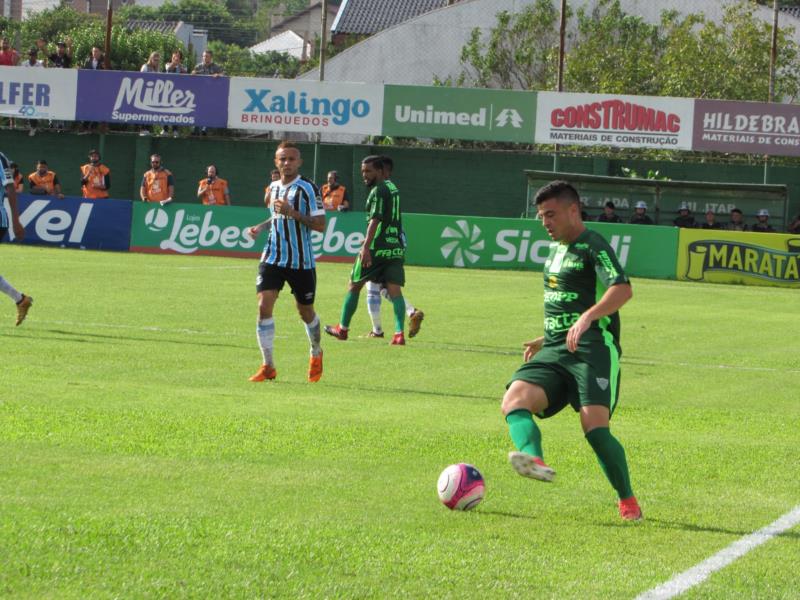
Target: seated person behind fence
x,y
737,222
213,189
609,216
639,216
762,224
334,194
95,177
794,226
43,181
685,217
19,180
711,221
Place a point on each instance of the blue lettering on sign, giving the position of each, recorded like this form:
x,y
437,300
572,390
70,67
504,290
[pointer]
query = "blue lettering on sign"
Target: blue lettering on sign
x,y
20,92
341,109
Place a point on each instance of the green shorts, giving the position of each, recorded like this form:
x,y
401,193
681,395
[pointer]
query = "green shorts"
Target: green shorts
x,y
584,378
380,271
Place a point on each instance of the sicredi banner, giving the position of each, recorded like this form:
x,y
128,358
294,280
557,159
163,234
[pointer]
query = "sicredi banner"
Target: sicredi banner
x,y
74,222
459,113
612,120
735,257
38,93
152,98
293,105
748,127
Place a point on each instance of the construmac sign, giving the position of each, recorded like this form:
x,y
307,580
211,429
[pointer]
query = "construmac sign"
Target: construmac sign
x,y
610,120
290,105
38,93
152,98
460,113
748,127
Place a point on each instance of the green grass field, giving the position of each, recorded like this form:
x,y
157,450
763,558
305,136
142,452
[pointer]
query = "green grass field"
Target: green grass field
x,y
137,461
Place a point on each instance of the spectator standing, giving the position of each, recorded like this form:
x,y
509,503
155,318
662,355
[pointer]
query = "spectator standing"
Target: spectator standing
x,y
32,62
737,222
62,57
762,224
8,56
19,180
176,67
153,65
684,218
206,67
95,177
711,221
43,181
609,215
213,189
794,226
95,62
157,183
334,194
639,216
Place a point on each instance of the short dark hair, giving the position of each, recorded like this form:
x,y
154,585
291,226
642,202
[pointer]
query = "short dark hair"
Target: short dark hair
x,y
41,161
735,210
387,162
286,145
278,171
374,160
610,204
216,170
559,189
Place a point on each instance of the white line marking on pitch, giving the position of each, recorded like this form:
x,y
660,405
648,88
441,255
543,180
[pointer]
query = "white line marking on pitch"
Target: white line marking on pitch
x,y
144,328
656,363
699,573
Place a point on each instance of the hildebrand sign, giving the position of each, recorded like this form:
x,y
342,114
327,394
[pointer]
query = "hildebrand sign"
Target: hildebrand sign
x,y
283,105
609,120
152,98
459,113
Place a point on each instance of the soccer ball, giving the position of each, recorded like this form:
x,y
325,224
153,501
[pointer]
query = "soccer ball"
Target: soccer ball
x,y
460,487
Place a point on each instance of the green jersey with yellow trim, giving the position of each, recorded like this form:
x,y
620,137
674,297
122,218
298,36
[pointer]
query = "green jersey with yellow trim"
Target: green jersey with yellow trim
x,y
383,203
576,275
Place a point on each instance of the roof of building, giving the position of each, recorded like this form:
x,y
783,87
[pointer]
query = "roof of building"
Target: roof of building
x,y
791,10
365,17
158,26
287,42
289,19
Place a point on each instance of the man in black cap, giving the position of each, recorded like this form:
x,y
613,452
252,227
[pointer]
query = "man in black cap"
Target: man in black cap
x,y
609,216
62,57
737,222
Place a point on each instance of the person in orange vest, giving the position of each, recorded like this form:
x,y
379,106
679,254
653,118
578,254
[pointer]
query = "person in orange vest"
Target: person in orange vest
x,y
157,183
95,177
334,194
19,180
274,175
44,181
213,189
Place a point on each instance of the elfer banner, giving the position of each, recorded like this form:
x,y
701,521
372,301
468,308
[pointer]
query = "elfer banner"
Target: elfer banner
x,y
152,98
748,127
74,222
612,120
459,113
734,257
38,93
295,105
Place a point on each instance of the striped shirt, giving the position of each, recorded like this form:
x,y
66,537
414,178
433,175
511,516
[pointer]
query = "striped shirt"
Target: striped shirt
x,y
6,178
289,242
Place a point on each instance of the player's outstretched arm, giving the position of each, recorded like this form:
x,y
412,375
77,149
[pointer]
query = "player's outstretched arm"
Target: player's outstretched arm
x,y
610,302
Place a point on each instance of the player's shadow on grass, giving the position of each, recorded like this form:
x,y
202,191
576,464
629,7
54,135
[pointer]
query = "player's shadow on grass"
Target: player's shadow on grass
x,y
75,336
663,523
397,390
47,337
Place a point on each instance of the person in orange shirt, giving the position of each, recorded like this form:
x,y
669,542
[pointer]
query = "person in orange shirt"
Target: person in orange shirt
x,y
213,189
19,180
334,194
95,177
157,183
43,181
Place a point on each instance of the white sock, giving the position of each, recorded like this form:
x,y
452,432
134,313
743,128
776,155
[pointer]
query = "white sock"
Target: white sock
x,y
374,291
410,310
266,337
313,332
9,290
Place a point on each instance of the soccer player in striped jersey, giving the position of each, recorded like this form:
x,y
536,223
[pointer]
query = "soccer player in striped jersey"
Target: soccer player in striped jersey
x,y
288,258
376,291
8,190
577,362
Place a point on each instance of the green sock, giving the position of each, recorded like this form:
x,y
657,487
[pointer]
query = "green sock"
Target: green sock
x,y
611,456
524,432
348,308
399,306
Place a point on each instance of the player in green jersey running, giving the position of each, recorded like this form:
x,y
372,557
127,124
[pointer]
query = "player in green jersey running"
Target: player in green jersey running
x,y
382,254
576,363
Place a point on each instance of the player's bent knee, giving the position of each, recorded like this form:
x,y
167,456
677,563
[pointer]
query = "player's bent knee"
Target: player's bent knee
x,y
522,395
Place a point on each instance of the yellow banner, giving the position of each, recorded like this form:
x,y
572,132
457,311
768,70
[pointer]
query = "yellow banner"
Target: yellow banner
x,y
736,257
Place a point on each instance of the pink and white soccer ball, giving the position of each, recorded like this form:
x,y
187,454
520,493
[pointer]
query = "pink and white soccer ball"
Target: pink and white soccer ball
x,y
461,487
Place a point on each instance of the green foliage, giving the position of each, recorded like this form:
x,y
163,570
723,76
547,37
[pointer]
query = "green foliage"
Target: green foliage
x,y
650,174
242,62
521,52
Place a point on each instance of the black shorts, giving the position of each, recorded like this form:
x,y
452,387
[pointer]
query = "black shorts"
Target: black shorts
x,y
2,231
303,282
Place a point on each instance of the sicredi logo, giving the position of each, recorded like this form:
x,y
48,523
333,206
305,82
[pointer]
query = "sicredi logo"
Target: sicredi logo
x,y
463,243
158,97
264,106
54,225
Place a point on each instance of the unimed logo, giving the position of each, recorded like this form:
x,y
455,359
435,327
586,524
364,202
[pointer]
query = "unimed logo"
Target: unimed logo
x,y
463,243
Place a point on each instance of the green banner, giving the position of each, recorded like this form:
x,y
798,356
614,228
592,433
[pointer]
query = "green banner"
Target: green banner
x,y
459,113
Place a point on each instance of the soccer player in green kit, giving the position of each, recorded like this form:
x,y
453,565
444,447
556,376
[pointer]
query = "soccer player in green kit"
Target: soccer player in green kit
x,y
382,254
576,363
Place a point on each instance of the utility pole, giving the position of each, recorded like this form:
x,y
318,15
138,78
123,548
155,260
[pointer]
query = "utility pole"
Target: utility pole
x,y
323,43
773,59
107,49
560,88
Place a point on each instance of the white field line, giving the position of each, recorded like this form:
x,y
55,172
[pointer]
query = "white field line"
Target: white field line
x,y
702,571
656,363
145,328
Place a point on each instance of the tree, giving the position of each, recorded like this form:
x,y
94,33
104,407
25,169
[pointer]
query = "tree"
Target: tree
x,y
241,62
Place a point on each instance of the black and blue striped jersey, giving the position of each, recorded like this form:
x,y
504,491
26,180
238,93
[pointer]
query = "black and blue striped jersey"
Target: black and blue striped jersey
x,y
289,242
